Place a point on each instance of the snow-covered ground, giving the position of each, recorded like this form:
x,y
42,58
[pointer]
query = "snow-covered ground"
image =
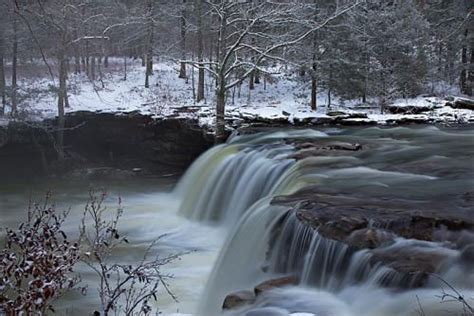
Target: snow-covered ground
x,y
286,98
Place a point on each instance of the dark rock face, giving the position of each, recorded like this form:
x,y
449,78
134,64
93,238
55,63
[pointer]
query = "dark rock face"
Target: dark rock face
x,y
362,222
462,103
339,215
121,141
409,109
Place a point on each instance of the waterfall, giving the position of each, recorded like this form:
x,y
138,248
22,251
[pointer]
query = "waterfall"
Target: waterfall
x,y
234,185
239,264
333,265
224,182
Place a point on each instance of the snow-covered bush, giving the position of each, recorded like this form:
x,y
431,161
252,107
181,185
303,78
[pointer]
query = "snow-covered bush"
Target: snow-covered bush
x,y
36,264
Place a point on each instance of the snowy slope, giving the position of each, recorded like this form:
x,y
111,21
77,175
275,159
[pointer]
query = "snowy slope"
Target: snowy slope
x,y
285,99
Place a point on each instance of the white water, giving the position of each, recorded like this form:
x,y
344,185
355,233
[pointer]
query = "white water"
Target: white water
x,y
332,276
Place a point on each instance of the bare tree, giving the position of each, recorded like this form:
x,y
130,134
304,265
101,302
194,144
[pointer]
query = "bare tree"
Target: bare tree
x,y
250,33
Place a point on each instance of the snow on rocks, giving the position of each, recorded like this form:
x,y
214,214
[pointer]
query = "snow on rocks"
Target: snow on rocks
x,y
284,101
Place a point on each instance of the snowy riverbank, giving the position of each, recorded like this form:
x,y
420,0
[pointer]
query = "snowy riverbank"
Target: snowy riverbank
x,y
284,100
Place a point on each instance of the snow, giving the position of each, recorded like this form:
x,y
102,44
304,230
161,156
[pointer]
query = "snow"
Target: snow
x,y
285,99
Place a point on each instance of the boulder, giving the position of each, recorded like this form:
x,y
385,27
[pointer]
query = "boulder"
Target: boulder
x,y
461,103
408,109
238,299
467,257
275,283
369,238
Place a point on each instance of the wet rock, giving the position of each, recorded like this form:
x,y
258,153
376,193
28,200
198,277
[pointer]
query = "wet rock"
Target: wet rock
x,y
336,113
344,146
413,267
369,238
462,103
322,148
408,109
118,140
467,257
275,283
357,220
238,299
421,119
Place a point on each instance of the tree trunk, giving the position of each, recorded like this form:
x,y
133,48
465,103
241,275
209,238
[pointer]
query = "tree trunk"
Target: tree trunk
x,y
125,68
92,72
470,78
14,68
77,64
314,86
149,50
182,71
221,82
84,66
464,71
106,54
3,93
314,82
257,77
220,116
61,98
252,80
200,52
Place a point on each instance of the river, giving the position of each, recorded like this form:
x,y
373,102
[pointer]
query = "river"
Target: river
x,y
219,215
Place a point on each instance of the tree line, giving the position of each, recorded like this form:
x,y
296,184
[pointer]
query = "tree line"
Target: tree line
x,y
367,49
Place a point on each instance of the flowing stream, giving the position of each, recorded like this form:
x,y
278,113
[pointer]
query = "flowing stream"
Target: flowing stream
x,y
220,214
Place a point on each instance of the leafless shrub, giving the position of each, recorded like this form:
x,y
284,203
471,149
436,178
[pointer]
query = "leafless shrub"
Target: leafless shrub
x,y
453,295
450,295
123,289
36,264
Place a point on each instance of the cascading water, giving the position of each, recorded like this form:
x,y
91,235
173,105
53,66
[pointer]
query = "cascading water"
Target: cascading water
x,y
223,183
235,184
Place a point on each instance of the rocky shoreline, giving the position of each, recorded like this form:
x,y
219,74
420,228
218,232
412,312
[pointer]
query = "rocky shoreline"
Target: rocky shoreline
x,y
125,144
97,145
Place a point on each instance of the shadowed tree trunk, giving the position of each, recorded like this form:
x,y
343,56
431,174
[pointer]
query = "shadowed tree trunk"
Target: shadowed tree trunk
x,y
62,91
14,67
149,49
92,72
257,77
314,83
182,71
463,80
471,73
220,114
221,82
200,52
3,93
